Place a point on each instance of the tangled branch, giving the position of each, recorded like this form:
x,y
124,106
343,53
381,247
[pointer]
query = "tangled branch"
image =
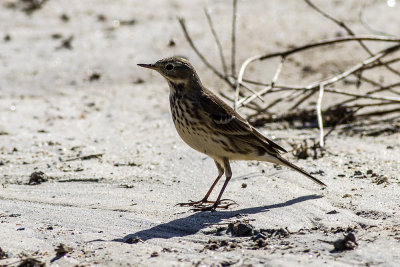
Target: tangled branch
x,y
388,95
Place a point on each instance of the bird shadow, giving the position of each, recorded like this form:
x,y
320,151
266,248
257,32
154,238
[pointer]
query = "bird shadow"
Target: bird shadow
x,y
194,223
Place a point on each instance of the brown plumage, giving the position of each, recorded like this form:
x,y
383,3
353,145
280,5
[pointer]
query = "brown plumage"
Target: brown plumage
x,y
209,125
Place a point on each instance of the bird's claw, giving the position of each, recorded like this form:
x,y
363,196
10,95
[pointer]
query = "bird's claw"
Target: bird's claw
x,y
194,203
212,207
200,205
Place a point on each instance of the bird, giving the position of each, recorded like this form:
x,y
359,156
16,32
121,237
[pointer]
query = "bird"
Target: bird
x,y
209,125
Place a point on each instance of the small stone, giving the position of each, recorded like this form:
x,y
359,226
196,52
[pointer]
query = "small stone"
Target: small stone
x,y
171,43
240,229
133,240
37,178
347,243
94,77
64,17
61,250
259,236
332,212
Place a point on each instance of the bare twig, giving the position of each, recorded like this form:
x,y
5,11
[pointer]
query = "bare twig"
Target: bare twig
x,y
349,31
374,97
298,103
217,41
297,49
278,71
239,82
356,68
377,104
273,103
86,157
379,113
233,38
329,42
300,94
205,61
379,89
367,26
319,115
254,92
377,64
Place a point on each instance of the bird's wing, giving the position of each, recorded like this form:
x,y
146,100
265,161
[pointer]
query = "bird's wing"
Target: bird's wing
x,y
227,121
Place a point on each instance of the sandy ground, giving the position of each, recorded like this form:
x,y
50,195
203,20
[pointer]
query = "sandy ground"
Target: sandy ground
x,y
61,99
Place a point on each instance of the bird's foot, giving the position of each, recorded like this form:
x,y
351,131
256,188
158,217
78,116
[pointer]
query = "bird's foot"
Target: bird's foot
x,y
200,205
214,206
195,203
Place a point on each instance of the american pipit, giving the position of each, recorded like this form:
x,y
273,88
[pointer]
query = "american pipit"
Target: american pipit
x,y
210,126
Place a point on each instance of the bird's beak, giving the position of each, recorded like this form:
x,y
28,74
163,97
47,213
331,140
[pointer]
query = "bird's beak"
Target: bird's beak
x,y
149,66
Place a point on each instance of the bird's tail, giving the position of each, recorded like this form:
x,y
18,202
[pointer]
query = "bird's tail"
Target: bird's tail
x,y
286,163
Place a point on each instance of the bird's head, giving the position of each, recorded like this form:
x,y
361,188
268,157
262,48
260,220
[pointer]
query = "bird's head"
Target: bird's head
x,y
176,70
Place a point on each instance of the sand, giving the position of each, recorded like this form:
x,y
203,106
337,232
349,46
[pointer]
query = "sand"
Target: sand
x,y
63,99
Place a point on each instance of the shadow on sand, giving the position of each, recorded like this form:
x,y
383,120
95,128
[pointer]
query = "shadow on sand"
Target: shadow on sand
x,y
199,220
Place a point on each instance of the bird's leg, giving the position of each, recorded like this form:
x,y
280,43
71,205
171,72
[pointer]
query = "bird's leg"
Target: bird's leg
x,y
228,175
205,198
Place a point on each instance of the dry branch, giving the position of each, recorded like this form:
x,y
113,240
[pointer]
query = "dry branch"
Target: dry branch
x,y
349,31
325,86
217,41
201,56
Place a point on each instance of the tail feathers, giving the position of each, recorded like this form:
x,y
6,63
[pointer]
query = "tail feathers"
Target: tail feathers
x,y
286,163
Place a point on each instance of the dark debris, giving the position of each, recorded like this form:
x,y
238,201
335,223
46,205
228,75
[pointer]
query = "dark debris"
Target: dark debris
x,y
61,250
31,262
347,243
3,254
133,240
37,177
240,229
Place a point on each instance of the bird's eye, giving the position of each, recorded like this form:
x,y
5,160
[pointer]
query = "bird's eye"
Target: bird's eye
x,y
169,67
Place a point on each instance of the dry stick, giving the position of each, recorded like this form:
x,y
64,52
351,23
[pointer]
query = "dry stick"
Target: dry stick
x,y
319,115
370,105
384,98
282,88
271,87
209,65
367,26
349,31
286,88
254,92
239,82
278,71
217,41
336,79
379,113
381,88
390,89
394,91
275,102
298,103
252,106
328,42
233,38
356,68
383,63
301,48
